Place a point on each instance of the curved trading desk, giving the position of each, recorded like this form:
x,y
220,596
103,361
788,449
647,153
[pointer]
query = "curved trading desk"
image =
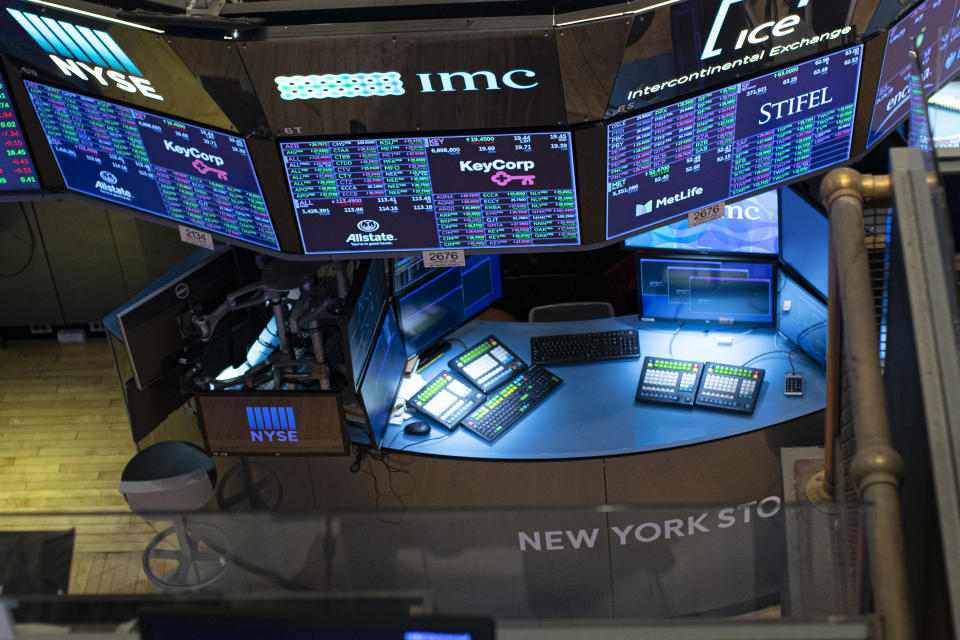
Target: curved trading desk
x,y
593,413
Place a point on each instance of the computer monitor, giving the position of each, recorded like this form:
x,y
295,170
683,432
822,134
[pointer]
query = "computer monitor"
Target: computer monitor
x,y
727,143
178,171
153,326
383,376
483,191
272,422
306,621
367,299
805,239
932,31
443,302
409,271
710,290
748,226
17,172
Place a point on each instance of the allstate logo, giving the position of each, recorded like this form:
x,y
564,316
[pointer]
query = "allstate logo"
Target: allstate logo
x,y
369,226
108,177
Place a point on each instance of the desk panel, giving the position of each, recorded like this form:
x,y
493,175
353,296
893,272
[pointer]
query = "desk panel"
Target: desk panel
x,y
593,413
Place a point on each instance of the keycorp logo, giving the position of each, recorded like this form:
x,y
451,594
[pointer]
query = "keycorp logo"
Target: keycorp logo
x,y
780,28
389,83
85,53
368,225
271,424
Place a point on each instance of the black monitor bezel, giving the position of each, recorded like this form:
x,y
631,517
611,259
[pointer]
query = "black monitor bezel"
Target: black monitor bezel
x,y
377,253
359,277
769,259
785,266
376,438
146,215
272,394
852,153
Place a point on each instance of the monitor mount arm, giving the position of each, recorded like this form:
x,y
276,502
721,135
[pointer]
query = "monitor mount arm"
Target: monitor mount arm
x,y
204,325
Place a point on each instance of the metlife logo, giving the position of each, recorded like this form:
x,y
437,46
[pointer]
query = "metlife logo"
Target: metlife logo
x,y
88,54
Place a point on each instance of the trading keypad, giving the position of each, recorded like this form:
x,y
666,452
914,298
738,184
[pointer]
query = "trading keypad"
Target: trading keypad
x,y
668,381
729,388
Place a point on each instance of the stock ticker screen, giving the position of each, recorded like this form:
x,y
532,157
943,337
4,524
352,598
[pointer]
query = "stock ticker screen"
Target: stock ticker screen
x,y
731,141
159,165
16,168
933,33
452,192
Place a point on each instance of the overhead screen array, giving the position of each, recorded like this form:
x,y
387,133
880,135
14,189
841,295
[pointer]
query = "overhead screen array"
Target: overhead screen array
x,y
932,31
159,165
16,168
729,142
448,192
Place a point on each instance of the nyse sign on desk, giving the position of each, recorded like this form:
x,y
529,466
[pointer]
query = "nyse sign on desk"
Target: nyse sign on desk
x,y
723,144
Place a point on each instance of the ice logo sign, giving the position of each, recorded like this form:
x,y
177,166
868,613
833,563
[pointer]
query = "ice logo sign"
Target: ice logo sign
x,y
272,424
88,54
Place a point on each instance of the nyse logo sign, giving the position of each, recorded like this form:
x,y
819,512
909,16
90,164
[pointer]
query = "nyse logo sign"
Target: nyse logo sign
x,y
85,53
389,83
271,424
759,34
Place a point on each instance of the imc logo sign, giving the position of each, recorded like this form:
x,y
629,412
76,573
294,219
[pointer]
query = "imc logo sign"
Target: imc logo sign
x,y
85,53
272,424
389,83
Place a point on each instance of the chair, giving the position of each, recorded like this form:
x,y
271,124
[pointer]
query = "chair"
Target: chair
x,y
565,311
164,482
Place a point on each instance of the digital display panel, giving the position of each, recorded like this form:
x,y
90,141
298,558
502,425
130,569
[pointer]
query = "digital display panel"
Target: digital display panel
x,y
713,291
452,192
16,167
383,376
726,143
159,165
365,315
932,30
748,226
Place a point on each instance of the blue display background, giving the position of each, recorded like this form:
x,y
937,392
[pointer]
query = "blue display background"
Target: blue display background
x,y
697,291
805,239
168,168
735,232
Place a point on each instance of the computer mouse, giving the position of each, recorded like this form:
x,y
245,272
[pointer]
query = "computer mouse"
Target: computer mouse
x,y
417,429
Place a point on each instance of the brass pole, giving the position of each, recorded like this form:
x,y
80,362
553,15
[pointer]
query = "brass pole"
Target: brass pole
x,y
877,468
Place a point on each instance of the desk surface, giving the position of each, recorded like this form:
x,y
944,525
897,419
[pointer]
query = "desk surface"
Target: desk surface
x,y
593,413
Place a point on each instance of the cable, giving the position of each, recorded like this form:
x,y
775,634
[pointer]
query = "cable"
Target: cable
x,y
675,332
767,353
33,247
789,354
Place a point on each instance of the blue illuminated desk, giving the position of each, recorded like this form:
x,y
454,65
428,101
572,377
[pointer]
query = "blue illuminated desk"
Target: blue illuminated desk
x,y
593,413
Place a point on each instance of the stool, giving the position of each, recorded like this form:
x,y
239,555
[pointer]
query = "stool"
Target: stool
x,y
173,478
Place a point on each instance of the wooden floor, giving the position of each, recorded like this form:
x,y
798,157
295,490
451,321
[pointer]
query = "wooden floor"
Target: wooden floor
x,y
64,440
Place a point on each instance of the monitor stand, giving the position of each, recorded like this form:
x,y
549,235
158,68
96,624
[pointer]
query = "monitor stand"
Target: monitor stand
x,y
431,353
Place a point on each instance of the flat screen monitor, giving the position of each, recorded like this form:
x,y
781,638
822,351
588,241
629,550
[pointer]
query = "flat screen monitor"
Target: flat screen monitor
x,y
490,191
177,171
16,167
710,290
307,621
446,300
805,241
152,327
367,299
748,226
932,30
726,143
383,376
944,110
272,422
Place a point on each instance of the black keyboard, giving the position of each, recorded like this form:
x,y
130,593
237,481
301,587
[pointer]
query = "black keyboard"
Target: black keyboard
x,y
572,348
511,402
